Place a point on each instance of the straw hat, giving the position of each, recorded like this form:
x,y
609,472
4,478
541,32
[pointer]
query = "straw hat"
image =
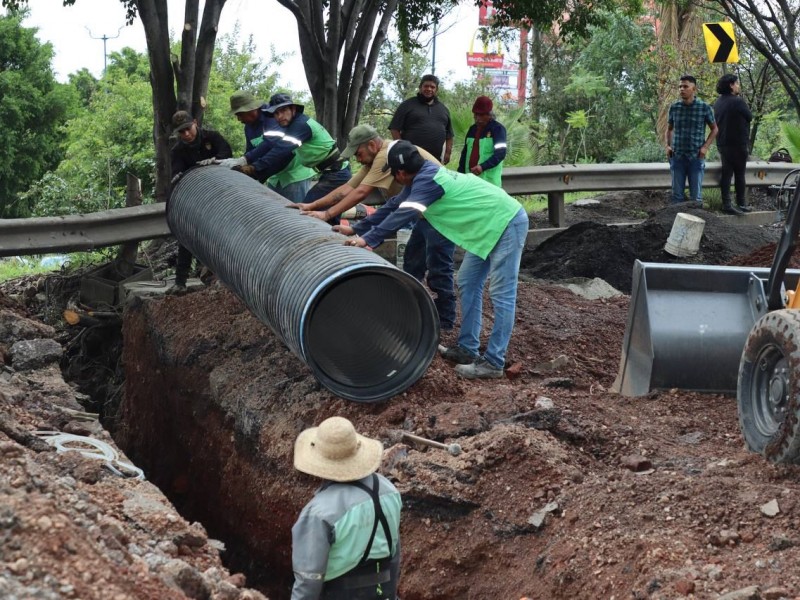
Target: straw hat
x,y
334,451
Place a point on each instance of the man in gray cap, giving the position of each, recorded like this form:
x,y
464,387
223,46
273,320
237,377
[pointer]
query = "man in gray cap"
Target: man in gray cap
x,y
346,541
261,132
371,150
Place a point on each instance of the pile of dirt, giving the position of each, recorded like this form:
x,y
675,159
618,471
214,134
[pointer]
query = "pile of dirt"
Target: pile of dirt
x,y
592,249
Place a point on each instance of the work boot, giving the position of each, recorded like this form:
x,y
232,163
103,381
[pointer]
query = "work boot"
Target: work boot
x,y
730,209
458,355
177,289
480,369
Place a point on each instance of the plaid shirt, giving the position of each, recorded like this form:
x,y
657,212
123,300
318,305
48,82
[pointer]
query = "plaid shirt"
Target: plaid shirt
x,y
689,126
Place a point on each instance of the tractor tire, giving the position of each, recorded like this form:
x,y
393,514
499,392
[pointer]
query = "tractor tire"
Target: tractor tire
x,y
768,390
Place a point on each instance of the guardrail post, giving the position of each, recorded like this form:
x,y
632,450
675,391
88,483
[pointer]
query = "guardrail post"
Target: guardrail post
x,y
555,208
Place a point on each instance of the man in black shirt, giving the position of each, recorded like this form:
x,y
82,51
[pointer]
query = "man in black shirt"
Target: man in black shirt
x,y
733,119
194,146
425,122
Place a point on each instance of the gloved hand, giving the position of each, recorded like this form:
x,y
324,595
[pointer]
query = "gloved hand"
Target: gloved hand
x,y
208,161
230,163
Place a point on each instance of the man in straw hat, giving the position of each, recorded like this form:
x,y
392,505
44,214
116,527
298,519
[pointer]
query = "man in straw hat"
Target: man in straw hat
x,y
346,541
261,132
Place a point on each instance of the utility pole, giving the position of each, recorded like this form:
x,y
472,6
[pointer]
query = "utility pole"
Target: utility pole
x,y
105,38
433,58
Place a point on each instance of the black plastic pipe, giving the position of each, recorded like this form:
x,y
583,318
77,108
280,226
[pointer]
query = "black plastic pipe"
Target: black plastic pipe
x,y
367,330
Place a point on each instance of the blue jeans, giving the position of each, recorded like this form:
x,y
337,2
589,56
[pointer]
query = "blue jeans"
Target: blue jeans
x,y
328,182
683,167
502,269
428,250
294,192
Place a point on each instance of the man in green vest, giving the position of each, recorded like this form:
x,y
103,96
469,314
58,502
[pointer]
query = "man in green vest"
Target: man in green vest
x,y
485,147
481,218
346,541
305,138
261,131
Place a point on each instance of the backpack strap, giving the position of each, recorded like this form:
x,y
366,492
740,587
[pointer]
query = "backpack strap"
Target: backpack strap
x,y
379,516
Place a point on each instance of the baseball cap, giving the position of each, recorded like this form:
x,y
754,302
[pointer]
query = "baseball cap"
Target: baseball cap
x,y
181,120
360,134
403,155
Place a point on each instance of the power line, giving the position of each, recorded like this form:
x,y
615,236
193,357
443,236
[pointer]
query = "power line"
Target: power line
x,y
105,38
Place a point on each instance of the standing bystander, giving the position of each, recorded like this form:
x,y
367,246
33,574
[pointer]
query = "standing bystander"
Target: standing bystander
x,y
485,147
733,119
686,142
425,122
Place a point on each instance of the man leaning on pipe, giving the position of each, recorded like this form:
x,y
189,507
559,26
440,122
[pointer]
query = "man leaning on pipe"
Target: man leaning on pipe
x,y
304,137
481,218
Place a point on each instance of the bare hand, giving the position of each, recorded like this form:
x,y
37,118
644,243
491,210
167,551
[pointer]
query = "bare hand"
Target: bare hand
x,y
304,205
702,152
476,170
343,229
357,242
317,214
446,158
293,205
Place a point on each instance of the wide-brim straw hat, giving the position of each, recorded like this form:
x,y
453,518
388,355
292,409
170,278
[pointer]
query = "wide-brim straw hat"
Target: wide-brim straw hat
x,y
335,451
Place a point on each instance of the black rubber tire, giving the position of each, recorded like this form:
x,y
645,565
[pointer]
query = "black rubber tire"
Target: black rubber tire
x,y
768,390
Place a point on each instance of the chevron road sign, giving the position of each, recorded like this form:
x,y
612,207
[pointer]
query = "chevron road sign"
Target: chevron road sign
x,y
720,42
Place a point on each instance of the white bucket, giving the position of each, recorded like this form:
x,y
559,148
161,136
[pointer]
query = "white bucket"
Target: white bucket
x,y
402,239
684,239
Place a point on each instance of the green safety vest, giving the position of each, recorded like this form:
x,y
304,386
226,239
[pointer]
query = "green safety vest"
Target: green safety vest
x,y
472,212
485,151
291,173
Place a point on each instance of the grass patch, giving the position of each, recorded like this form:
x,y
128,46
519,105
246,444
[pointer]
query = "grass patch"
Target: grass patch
x,y
538,202
24,266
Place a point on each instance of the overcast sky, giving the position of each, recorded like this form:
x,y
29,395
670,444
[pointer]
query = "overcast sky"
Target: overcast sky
x,y
76,33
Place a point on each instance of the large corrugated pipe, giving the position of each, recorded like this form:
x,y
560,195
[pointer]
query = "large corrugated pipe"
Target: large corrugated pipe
x,y
366,329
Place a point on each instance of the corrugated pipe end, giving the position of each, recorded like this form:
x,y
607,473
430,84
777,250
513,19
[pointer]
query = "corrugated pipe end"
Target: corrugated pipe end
x,y
371,333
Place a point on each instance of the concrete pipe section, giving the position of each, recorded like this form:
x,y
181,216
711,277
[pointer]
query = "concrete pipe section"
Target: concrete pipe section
x,y
367,330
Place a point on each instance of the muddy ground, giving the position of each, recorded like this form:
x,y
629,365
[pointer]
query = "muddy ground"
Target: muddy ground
x,y
564,489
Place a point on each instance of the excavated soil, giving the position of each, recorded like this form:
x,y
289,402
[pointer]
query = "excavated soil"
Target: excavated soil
x,y
564,489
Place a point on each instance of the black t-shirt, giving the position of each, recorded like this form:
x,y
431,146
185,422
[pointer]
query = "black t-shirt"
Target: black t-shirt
x,y
733,119
207,144
424,125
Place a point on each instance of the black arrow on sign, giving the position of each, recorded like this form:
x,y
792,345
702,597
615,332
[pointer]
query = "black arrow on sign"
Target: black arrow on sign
x,y
726,42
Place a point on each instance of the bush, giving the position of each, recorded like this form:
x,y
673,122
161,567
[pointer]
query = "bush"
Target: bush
x,y
645,151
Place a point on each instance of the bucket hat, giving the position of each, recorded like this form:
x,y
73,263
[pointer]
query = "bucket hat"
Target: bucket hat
x,y
279,101
334,451
243,101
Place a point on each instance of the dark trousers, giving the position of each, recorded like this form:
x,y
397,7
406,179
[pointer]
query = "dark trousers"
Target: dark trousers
x,y
348,586
429,251
328,181
734,163
182,265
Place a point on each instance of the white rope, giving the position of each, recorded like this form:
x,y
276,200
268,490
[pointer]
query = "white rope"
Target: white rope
x,y
100,450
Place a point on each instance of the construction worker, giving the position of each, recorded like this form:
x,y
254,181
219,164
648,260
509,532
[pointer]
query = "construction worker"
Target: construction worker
x,y
346,541
261,131
195,146
305,138
485,146
481,218
370,150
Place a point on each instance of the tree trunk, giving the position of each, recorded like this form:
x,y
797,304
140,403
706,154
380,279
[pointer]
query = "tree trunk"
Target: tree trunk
x,y
349,34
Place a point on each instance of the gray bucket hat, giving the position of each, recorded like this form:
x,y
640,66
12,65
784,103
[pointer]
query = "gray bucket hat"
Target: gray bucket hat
x,y
243,101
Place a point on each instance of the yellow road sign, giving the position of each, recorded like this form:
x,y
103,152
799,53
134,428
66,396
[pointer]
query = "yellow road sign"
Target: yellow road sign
x,y
720,42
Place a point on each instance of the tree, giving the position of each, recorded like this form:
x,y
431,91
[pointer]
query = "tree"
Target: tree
x,y
33,109
178,82
349,35
771,26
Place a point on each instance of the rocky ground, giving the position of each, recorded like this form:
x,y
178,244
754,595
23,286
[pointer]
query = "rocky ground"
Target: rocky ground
x,y
563,489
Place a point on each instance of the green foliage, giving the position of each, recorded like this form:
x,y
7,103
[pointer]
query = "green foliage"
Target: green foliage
x,y
791,135
647,150
33,109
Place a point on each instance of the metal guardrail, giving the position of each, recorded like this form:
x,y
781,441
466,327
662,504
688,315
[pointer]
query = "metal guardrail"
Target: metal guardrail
x,y
96,230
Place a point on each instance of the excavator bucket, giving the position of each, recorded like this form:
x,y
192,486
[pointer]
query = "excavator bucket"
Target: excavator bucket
x,y
687,326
